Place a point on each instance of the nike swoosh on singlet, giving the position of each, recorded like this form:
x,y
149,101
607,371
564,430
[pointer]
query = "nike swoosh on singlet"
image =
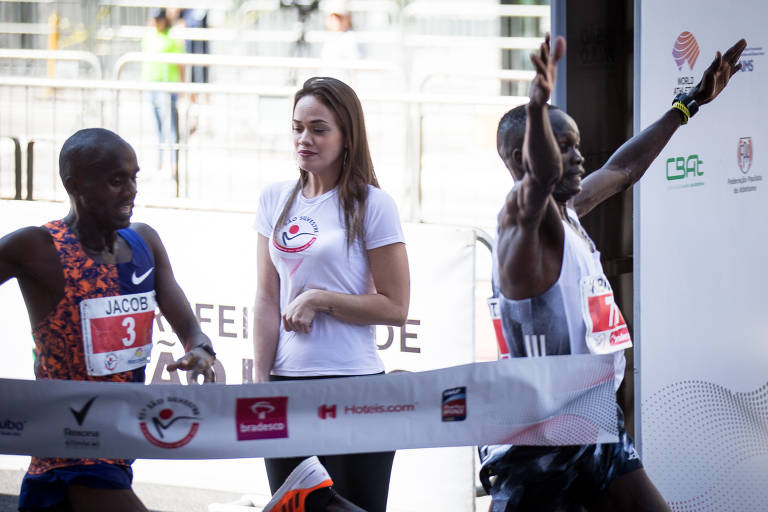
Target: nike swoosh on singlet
x,y
136,280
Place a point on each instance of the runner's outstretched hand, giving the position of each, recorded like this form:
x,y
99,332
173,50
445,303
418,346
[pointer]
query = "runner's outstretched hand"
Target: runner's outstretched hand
x,y
716,76
197,361
545,63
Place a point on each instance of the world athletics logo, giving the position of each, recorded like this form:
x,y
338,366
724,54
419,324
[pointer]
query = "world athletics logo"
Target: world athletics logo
x,y
685,49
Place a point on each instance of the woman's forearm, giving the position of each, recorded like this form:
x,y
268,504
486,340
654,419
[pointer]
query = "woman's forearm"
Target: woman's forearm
x,y
368,309
266,331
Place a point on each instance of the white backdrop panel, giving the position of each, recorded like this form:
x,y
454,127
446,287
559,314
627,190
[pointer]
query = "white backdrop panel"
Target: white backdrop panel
x,y
701,253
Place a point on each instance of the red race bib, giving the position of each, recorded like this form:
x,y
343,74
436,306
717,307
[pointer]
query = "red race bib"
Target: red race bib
x,y
607,331
495,308
117,332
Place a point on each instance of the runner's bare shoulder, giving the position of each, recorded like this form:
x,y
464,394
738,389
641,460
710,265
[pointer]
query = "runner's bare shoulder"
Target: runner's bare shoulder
x,y
26,247
27,241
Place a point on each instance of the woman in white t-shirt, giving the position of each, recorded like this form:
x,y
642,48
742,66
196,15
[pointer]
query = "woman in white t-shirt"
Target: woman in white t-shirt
x,y
331,265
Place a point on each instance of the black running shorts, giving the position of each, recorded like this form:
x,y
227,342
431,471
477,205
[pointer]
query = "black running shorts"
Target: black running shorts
x,y
556,477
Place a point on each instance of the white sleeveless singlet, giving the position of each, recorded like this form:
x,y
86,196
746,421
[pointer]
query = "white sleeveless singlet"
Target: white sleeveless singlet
x,y
558,321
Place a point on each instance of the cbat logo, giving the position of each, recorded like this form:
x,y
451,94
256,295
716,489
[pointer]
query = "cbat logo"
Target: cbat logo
x,y
298,234
169,422
681,167
686,49
261,418
326,411
454,406
744,154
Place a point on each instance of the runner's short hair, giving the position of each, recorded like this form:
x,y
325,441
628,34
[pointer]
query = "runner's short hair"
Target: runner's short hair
x,y
511,130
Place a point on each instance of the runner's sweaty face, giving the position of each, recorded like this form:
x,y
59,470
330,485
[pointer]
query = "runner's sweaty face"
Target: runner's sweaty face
x,y
568,139
105,195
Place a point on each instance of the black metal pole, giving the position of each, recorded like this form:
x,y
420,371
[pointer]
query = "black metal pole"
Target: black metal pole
x,y
30,168
17,166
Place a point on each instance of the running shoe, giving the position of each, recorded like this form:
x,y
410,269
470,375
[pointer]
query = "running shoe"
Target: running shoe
x,y
307,477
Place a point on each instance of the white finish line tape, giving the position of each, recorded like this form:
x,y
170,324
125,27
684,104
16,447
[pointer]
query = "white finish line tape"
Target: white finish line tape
x,y
539,401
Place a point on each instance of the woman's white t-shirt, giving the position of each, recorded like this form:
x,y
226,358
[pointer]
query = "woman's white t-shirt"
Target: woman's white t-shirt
x,y
310,252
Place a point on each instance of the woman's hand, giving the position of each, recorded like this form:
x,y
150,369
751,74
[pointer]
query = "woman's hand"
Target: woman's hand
x,y
298,315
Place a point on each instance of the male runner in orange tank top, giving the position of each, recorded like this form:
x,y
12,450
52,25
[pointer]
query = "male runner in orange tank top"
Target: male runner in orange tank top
x,y
94,253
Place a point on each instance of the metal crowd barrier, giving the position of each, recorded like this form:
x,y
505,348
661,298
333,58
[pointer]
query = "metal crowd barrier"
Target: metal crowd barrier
x,y
68,55
293,63
320,36
407,140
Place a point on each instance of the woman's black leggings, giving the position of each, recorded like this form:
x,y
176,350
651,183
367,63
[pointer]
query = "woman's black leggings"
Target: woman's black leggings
x,y
362,478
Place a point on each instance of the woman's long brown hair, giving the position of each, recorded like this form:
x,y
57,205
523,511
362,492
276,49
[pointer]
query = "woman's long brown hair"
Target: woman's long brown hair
x,y
357,167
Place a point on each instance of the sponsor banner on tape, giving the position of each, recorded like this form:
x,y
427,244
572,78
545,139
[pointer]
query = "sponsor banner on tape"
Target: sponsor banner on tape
x,y
547,401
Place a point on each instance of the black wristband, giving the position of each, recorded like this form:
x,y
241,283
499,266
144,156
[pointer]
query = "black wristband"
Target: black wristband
x,y
207,347
689,103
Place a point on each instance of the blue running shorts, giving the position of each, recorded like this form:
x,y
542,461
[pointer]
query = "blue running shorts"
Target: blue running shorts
x,y
49,489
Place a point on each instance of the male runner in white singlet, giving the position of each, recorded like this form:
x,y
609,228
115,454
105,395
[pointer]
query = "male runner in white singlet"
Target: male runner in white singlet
x,y
554,297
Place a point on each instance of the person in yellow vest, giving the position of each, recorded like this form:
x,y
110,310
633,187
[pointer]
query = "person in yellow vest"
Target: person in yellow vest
x,y
164,103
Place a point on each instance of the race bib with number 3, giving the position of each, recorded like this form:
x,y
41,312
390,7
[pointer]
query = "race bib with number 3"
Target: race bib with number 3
x,y
607,331
117,332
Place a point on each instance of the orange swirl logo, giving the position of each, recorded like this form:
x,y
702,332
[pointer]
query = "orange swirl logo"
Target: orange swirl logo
x,y
685,49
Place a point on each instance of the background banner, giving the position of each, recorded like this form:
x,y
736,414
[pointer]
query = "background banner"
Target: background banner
x,y
700,254
539,401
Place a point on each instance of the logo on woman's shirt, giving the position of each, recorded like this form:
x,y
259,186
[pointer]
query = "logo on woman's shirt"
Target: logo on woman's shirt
x,y
298,234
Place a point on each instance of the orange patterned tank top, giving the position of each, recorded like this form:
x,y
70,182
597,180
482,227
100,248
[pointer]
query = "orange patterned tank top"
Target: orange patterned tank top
x,y
59,348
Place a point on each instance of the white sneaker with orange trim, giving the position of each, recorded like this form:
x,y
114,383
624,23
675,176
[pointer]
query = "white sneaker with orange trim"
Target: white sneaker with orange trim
x,y
307,477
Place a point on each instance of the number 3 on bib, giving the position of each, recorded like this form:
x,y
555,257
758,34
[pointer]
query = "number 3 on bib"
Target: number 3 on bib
x,y
117,332
607,331
130,328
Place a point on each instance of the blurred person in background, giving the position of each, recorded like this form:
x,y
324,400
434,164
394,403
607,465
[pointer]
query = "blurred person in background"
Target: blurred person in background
x,y
197,18
341,41
193,18
164,104
331,265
